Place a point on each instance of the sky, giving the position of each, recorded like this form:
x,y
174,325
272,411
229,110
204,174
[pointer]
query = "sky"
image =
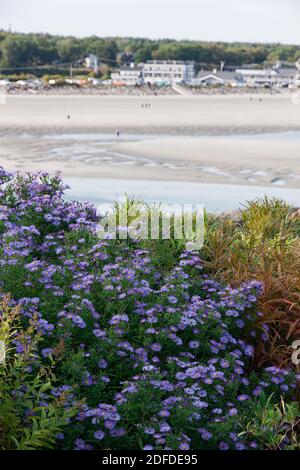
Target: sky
x,y
207,20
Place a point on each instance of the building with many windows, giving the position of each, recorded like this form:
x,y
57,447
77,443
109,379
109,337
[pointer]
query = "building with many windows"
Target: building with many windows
x,y
268,77
276,77
129,75
168,72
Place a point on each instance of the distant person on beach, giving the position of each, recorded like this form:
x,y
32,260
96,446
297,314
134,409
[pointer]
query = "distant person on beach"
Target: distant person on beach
x,y
117,133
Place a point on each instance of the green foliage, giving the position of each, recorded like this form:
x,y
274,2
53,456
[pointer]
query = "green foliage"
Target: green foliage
x,y
273,425
131,327
30,417
68,49
19,50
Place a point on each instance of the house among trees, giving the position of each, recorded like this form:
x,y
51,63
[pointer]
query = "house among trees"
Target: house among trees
x,y
91,62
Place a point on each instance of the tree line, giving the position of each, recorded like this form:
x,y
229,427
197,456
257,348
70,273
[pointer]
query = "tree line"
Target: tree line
x,y
20,50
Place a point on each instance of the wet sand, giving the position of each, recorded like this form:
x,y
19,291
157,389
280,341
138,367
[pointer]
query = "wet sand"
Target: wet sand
x,y
177,138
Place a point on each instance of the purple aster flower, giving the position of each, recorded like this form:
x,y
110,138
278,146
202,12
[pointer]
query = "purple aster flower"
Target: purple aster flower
x,y
206,435
99,435
217,411
257,391
223,446
109,424
149,431
155,347
240,323
172,299
164,413
243,397
165,428
184,446
46,352
240,446
118,432
102,364
99,333
232,412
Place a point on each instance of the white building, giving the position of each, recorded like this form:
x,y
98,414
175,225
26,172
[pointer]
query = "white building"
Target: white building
x,y
91,62
255,77
168,72
296,81
129,75
276,77
221,78
287,77
268,77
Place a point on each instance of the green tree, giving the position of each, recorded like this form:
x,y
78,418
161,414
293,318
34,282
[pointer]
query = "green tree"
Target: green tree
x,y
68,49
18,51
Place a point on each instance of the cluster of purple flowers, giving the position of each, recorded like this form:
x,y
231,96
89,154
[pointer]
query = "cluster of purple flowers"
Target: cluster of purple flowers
x,y
159,357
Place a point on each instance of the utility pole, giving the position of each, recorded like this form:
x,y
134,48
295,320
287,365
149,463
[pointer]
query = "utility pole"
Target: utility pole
x,y
71,71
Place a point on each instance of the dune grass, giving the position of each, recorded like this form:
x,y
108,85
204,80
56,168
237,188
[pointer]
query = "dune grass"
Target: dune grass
x,y
262,243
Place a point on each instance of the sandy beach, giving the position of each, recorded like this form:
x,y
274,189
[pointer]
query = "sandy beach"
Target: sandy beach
x,y
192,113
225,139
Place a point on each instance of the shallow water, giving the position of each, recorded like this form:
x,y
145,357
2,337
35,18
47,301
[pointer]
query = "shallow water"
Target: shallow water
x,y
282,136
214,197
95,149
99,149
124,137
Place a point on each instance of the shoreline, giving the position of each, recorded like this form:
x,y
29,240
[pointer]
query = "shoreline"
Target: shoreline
x,y
104,192
145,169
100,173
202,139
145,91
213,93
162,131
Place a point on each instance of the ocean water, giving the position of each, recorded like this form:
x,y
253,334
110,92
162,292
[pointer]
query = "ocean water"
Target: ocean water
x,y
109,137
214,197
